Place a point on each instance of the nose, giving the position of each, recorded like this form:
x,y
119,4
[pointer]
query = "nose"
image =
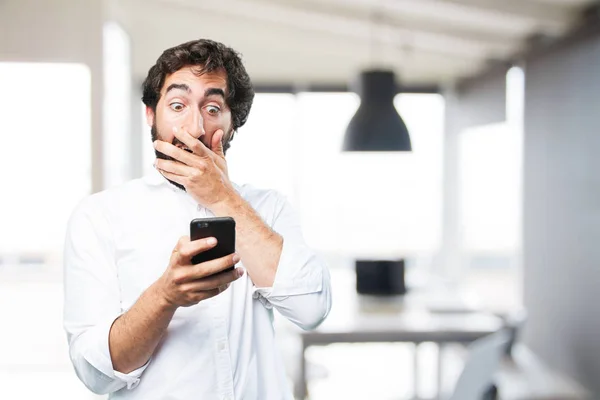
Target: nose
x,y
195,124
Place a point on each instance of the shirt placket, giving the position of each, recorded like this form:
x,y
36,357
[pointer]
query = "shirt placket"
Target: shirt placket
x,y
222,354
221,342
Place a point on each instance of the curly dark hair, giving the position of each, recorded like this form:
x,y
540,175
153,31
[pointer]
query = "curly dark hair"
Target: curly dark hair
x,y
209,56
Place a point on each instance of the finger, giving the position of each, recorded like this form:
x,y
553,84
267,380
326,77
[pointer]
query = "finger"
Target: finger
x,y
174,167
182,180
175,152
176,256
191,142
214,281
203,295
219,289
212,267
190,249
217,143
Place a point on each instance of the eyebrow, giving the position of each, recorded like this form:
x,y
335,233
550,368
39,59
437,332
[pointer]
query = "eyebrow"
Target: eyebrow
x,y
214,92
208,92
180,86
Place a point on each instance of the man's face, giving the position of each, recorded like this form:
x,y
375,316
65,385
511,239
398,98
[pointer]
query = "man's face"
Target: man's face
x,y
192,102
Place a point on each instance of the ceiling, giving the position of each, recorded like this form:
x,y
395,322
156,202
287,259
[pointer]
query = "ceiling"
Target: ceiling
x,y
326,42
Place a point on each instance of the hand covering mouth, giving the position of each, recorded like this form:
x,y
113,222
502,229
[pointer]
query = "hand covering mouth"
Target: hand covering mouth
x,y
184,147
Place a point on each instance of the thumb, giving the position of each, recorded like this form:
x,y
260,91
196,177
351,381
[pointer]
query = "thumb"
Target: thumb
x,y
217,143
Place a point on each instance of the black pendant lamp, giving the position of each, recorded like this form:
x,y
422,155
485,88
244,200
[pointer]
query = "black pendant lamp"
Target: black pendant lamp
x,y
376,126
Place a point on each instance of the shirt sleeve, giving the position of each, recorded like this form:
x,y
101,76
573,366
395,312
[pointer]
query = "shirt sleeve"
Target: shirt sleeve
x,y
92,302
302,290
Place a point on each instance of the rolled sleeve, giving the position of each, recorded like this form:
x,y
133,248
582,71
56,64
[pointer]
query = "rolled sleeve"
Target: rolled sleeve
x,y
92,303
301,290
298,272
90,355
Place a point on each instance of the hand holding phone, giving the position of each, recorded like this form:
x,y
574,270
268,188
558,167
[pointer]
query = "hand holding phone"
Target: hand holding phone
x,y
184,284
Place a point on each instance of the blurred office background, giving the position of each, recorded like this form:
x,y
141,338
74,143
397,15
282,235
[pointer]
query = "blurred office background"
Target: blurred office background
x,y
496,211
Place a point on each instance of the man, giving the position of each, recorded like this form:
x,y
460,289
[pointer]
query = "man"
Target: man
x,y
141,320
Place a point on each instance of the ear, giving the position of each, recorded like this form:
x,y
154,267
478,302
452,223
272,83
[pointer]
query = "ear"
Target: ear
x,y
149,116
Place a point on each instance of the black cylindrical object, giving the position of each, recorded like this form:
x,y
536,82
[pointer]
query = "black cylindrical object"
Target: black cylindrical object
x,y
380,277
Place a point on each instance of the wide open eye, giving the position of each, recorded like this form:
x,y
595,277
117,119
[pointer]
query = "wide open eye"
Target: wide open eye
x,y
213,110
176,106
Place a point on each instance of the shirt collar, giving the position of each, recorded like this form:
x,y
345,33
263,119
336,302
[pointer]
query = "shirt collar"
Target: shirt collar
x,y
154,178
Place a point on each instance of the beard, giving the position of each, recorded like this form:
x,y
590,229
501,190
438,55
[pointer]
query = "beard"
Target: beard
x,y
156,136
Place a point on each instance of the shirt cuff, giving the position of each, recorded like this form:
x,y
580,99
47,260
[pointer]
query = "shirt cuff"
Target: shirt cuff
x,y
299,272
99,355
132,379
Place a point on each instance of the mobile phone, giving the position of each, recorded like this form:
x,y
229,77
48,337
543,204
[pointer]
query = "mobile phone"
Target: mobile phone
x,y
221,228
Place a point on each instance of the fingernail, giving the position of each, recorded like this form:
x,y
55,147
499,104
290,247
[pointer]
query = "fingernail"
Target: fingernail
x,y
236,258
175,129
240,272
211,241
155,143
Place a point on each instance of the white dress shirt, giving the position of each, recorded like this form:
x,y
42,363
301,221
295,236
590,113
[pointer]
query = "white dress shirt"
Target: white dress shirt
x,y
119,242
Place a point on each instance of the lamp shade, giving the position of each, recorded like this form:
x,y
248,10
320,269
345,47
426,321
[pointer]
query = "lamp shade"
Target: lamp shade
x,y
376,126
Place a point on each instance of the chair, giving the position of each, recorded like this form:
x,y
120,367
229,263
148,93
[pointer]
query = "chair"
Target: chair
x,y
482,362
514,323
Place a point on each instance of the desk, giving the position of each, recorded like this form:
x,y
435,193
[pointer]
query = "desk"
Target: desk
x,y
408,318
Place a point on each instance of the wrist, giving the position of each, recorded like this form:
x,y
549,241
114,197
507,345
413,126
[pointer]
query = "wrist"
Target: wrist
x,y
228,206
158,297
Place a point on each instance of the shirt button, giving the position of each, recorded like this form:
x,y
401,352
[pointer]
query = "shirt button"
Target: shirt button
x,y
227,398
221,346
199,207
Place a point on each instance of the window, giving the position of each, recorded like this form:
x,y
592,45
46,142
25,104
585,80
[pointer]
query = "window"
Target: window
x,y
352,204
490,204
262,151
490,172
45,112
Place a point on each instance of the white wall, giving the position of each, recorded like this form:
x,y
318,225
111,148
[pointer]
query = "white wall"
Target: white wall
x,y
562,209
